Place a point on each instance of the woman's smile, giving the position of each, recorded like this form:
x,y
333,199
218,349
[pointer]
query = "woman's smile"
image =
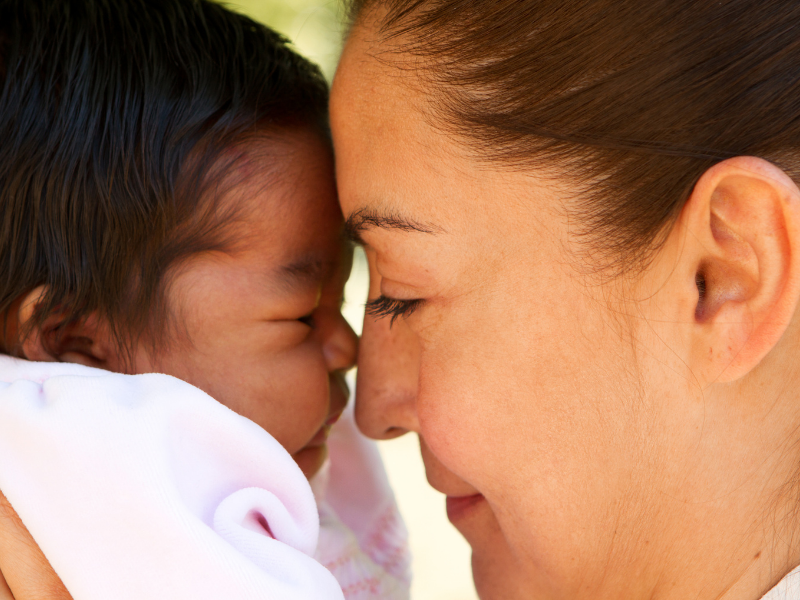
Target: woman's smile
x,y
460,507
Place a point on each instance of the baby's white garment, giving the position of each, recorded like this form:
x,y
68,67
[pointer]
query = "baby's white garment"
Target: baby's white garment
x,y
144,487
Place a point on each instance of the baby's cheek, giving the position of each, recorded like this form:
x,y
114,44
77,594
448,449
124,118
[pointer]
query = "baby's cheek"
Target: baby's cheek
x,y
300,398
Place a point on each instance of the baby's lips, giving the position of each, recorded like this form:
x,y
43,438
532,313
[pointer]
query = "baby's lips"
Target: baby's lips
x,y
333,418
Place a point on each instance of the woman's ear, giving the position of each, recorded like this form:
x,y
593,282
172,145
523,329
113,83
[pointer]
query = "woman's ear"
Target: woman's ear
x,y
87,341
743,254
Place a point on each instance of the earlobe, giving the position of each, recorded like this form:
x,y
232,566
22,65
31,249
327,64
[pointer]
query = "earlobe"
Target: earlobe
x,y
84,342
744,216
28,340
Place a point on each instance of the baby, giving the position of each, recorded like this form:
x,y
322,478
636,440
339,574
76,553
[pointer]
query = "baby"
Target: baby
x,y
169,206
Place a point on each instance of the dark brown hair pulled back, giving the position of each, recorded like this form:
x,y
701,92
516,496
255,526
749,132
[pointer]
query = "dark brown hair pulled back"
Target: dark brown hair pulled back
x,y
636,99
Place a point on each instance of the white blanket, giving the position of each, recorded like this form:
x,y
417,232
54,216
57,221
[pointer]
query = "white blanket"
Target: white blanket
x,y
143,486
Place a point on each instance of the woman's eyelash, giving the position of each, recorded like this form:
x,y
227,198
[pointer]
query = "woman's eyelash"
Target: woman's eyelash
x,y
382,307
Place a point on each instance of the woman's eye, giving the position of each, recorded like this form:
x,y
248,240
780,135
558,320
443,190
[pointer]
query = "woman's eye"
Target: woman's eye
x,y
383,306
307,320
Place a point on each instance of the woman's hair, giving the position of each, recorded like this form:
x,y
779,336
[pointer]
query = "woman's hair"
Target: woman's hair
x,y
634,99
113,115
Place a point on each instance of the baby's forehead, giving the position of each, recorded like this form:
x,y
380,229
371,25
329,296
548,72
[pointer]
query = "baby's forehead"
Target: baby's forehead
x,y
281,206
274,167
275,173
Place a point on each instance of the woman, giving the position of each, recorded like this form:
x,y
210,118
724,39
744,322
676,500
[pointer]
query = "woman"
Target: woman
x,y
584,235
583,229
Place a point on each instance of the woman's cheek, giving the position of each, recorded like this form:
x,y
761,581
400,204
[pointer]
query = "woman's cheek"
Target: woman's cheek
x,y
448,408
467,390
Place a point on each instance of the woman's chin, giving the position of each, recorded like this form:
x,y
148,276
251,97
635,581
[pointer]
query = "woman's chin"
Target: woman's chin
x,y
497,573
310,459
497,577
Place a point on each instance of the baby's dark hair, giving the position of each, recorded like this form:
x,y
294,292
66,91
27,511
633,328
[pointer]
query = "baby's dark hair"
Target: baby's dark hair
x,y
113,113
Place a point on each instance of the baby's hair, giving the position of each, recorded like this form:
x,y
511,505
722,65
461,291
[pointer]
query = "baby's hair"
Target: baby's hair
x,y
113,113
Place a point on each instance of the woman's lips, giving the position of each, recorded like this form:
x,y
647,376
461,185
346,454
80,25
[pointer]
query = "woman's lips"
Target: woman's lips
x,y
459,507
462,498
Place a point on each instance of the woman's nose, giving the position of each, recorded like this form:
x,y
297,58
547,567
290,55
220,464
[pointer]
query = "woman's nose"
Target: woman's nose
x,y
340,343
388,373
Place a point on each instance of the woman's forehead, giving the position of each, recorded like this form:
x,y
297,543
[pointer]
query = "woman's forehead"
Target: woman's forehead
x,y
387,153
374,97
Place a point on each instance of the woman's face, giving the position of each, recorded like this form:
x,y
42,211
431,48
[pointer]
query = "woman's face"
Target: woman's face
x,y
550,409
508,367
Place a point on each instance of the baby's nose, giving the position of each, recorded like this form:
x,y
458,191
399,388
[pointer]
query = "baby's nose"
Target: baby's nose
x,y
340,345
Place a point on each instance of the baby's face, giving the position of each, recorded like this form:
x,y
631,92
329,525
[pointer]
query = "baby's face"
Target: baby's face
x,y
267,337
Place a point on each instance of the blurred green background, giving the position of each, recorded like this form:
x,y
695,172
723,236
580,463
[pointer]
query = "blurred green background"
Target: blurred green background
x,y
314,26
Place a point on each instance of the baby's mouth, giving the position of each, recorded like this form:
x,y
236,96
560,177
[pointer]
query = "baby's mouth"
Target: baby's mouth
x,y
321,436
311,457
333,419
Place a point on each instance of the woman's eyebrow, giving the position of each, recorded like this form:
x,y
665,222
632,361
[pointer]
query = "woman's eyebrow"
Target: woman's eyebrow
x,y
367,218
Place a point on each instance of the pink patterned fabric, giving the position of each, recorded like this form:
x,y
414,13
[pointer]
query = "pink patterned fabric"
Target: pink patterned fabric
x,y
363,540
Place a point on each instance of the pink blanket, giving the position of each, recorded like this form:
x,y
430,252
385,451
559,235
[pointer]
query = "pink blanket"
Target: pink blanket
x,y
145,487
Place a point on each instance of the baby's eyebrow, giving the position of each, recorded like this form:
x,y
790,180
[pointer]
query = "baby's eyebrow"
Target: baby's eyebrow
x,y
305,267
305,272
367,218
